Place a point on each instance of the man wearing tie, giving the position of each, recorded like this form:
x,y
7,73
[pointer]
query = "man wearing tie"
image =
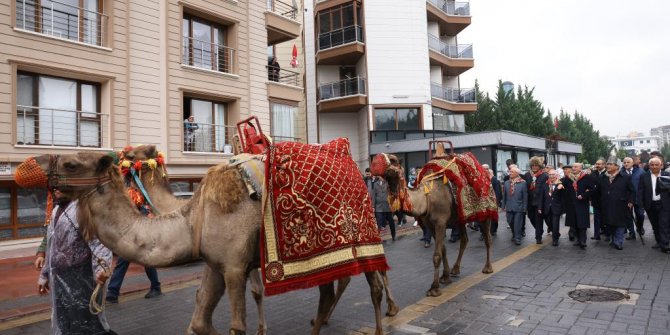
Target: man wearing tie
x,y
551,199
656,203
634,172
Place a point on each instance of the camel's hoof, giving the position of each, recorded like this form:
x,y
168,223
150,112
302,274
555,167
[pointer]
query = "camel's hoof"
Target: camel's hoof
x,y
313,322
434,292
261,331
445,280
236,332
393,310
194,331
456,270
487,269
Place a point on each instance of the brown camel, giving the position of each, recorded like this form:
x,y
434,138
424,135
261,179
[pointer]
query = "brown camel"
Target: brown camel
x,y
437,210
158,188
228,219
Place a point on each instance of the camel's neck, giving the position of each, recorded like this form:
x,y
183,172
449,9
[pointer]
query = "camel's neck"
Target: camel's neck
x,y
419,201
161,196
160,241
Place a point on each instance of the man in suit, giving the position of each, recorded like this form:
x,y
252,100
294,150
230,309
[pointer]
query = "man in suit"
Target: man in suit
x,y
551,199
618,197
569,201
584,188
536,179
635,173
515,202
655,202
598,170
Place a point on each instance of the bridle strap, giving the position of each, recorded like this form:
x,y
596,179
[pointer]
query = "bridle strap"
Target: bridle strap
x,y
55,179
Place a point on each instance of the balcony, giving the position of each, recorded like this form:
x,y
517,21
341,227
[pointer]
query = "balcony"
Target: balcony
x,y
59,127
62,21
452,16
454,59
343,46
455,100
208,138
284,84
281,22
207,55
346,95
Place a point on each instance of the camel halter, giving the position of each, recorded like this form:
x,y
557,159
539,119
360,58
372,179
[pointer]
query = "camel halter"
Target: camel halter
x,y
57,180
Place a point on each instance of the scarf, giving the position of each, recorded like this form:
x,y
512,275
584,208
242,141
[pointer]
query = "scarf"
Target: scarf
x,y
535,176
576,179
556,184
611,176
512,182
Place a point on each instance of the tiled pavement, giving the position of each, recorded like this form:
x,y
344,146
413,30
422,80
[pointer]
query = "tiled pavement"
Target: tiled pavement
x,y
527,297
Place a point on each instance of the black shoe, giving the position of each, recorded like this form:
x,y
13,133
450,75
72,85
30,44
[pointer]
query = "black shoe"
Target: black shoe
x,y
572,238
597,238
517,242
112,300
656,246
583,246
493,233
153,294
618,247
453,240
538,241
426,245
642,231
554,243
607,238
577,244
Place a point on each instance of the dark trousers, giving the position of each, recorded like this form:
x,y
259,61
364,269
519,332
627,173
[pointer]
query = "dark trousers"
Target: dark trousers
x,y
555,226
617,235
581,236
426,234
120,272
538,224
532,217
664,227
597,224
515,220
654,214
384,218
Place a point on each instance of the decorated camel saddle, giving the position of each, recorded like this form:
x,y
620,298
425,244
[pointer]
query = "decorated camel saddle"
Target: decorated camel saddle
x,y
318,221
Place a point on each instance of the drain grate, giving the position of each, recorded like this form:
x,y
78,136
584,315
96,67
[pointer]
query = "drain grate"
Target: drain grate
x,y
597,295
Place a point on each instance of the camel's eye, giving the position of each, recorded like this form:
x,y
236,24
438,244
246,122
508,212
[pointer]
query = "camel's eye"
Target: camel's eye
x,y
70,166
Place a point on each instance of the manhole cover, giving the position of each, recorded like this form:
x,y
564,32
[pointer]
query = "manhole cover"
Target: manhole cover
x,y
597,295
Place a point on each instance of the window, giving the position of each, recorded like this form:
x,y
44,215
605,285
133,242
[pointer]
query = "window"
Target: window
x,y
397,119
22,211
204,126
522,160
283,122
57,111
205,45
339,25
75,20
446,120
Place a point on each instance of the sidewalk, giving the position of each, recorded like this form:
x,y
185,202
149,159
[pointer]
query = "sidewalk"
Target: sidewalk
x,y
18,283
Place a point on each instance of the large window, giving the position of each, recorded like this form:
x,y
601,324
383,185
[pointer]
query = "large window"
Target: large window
x,y
283,122
397,119
76,20
205,46
339,25
204,126
57,111
22,211
446,120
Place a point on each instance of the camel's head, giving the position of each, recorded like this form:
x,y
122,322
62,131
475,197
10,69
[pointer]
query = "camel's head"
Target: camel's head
x,y
145,159
141,152
388,167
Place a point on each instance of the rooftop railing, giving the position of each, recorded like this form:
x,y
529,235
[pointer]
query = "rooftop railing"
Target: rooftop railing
x,y
284,76
340,36
208,137
342,88
459,95
283,9
61,20
59,127
459,8
451,51
207,55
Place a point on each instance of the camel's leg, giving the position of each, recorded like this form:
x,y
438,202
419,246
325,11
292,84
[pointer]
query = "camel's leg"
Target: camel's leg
x,y
486,226
326,298
342,284
236,282
439,231
393,308
456,270
257,290
376,295
206,298
445,267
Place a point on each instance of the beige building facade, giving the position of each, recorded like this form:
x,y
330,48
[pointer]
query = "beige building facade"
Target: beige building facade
x,y
100,74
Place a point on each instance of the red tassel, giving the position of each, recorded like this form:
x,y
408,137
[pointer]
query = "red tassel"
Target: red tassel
x,y
138,166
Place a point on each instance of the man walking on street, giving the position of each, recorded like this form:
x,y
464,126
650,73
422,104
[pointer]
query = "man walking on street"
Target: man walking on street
x,y
569,202
618,196
536,180
584,187
634,172
515,202
551,199
655,202
598,228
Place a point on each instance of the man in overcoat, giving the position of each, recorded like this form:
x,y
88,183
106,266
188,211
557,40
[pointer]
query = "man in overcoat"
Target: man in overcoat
x,y
551,198
515,203
536,179
584,188
598,224
618,197
569,201
656,203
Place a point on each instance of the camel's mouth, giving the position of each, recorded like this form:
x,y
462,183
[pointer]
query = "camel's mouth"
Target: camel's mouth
x,y
392,176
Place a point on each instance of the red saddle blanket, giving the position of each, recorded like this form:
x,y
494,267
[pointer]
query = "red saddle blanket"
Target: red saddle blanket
x,y
318,221
475,200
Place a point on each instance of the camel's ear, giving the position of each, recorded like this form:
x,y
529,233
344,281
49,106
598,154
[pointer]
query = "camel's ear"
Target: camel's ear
x,y
104,163
151,151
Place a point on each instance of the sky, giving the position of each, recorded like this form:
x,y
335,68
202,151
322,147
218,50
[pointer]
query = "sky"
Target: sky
x,y
607,59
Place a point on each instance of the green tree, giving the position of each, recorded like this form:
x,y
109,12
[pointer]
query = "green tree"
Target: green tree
x,y
665,151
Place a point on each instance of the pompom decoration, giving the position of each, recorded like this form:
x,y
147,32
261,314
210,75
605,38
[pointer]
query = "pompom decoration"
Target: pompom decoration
x,y
160,160
138,165
151,163
125,164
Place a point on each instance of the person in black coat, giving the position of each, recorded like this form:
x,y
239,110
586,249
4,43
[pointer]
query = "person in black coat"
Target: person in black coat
x,y
536,178
618,197
584,187
551,198
598,225
656,203
569,201
497,190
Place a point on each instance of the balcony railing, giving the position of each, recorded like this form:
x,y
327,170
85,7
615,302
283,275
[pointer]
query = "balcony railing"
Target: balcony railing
x,y
458,8
451,51
340,36
283,9
61,20
342,88
207,55
278,139
59,127
284,76
462,95
208,137
444,120
381,136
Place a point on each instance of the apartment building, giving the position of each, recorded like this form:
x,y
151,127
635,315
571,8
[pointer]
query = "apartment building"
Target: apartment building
x,y
634,145
381,71
101,74
663,132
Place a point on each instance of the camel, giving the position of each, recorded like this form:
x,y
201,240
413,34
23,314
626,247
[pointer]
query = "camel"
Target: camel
x,y
221,209
437,210
158,188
